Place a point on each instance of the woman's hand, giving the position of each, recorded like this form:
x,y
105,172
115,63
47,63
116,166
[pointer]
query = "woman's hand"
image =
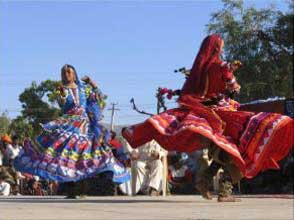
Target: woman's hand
x,y
61,89
154,155
134,155
89,81
235,87
86,79
233,67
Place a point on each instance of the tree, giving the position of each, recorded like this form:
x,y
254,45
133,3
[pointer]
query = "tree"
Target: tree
x,y
21,128
38,106
4,123
263,41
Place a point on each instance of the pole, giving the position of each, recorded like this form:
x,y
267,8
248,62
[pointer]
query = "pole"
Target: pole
x,y
113,109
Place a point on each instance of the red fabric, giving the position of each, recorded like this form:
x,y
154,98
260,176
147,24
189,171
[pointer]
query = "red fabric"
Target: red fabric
x,y
226,73
208,54
261,157
115,143
182,131
217,78
194,103
235,123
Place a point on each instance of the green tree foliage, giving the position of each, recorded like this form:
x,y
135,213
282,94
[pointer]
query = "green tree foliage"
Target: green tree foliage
x,y
4,123
262,39
21,128
38,105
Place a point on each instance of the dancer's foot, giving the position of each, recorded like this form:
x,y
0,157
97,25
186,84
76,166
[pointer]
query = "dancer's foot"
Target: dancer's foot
x,y
204,191
228,199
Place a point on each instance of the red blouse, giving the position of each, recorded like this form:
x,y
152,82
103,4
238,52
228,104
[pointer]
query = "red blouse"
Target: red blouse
x,y
219,76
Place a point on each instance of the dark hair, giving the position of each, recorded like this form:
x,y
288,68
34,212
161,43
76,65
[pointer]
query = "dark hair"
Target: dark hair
x,y
113,134
63,71
123,129
14,138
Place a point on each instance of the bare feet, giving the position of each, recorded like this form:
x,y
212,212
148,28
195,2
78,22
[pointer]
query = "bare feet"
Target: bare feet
x,y
204,191
228,199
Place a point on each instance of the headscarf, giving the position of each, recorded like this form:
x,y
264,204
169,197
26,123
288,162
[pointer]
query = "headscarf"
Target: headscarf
x,y
6,138
208,54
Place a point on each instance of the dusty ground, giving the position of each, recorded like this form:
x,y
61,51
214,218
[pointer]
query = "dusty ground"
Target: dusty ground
x,y
142,207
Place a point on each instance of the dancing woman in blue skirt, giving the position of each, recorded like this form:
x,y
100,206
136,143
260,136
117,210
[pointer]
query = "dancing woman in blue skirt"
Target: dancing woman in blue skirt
x,y
74,146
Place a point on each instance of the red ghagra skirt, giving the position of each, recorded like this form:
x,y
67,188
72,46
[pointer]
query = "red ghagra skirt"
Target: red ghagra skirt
x,y
255,141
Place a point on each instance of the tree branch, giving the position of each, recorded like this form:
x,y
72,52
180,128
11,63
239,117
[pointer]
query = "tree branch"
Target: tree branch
x,y
137,110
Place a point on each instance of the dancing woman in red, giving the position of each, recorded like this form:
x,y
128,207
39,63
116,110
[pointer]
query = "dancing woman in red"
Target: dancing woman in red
x,y
254,141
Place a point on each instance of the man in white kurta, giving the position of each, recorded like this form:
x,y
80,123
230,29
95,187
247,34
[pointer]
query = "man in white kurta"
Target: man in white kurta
x,y
13,149
146,160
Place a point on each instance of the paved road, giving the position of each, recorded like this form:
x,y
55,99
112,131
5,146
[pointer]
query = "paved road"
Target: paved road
x,y
142,207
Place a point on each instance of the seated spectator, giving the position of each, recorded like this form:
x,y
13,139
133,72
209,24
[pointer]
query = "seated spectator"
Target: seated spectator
x,y
147,162
27,183
10,150
5,144
35,186
13,149
9,174
180,176
12,177
4,186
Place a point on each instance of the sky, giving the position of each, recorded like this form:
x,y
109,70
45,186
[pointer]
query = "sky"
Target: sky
x,y
129,48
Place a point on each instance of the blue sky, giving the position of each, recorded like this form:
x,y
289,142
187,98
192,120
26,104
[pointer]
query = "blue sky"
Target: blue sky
x,y
128,47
